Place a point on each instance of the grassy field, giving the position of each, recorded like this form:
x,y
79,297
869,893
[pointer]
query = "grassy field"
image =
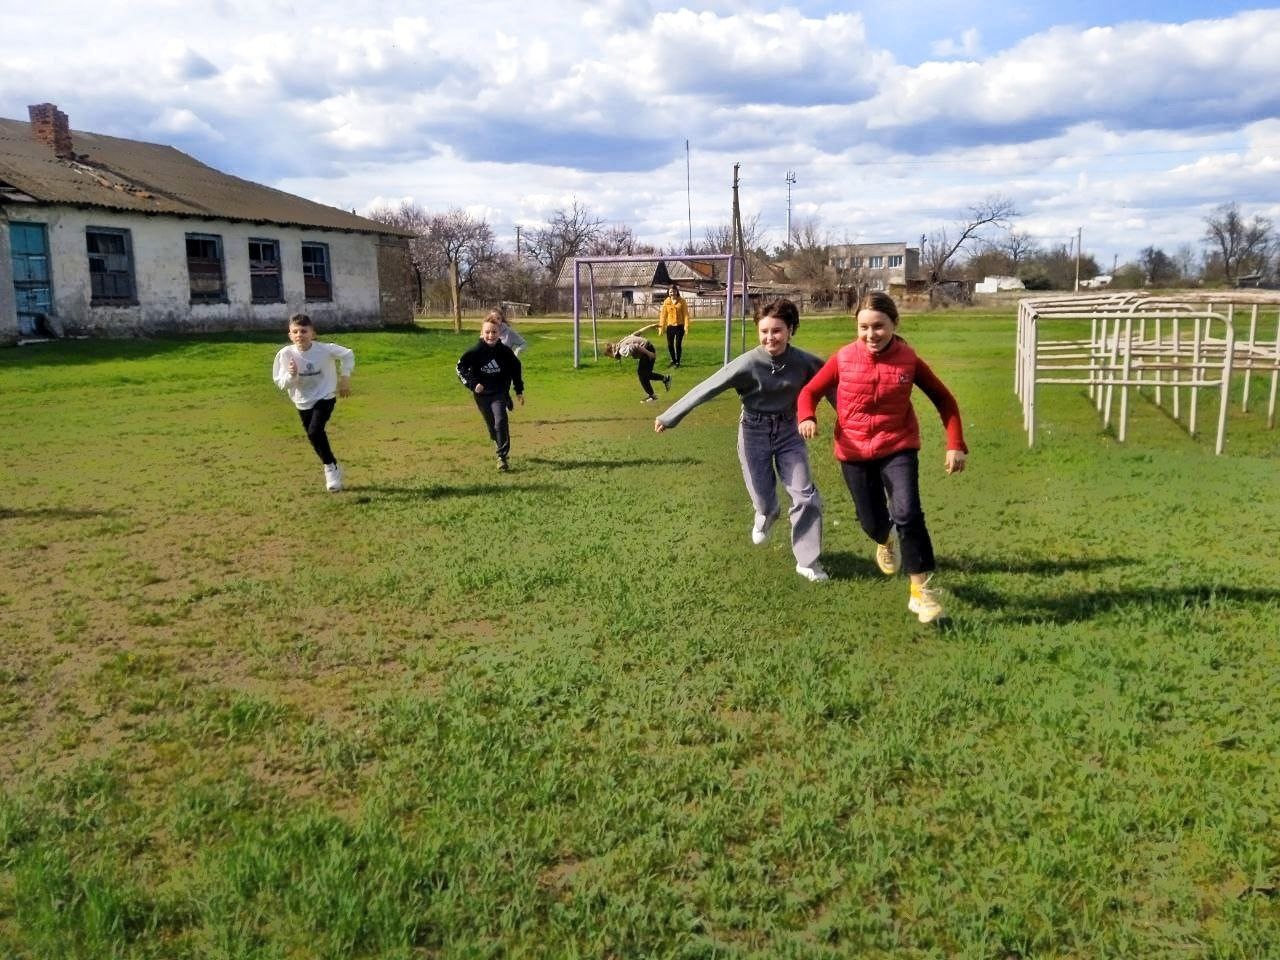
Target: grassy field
x,y
571,712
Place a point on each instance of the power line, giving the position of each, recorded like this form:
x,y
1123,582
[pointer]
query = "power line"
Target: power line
x,y
969,158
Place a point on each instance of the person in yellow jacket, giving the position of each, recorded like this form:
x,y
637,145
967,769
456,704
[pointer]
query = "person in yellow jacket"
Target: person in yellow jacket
x,y
673,319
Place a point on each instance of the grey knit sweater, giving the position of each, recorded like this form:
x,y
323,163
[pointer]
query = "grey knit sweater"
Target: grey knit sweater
x,y
765,384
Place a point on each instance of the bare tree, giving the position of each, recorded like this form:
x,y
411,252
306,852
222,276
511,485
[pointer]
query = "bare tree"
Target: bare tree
x,y
1018,247
939,248
617,241
810,251
466,246
719,239
1157,266
568,234
1242,246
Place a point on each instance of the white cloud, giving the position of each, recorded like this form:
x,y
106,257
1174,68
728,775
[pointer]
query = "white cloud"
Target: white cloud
x,y
179,121
968,45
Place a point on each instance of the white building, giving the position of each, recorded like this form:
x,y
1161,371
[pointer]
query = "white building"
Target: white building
x,y
104,236
997,283
877,266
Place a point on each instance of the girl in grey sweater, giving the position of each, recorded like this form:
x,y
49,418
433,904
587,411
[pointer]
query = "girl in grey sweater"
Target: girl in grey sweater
x,y
768,380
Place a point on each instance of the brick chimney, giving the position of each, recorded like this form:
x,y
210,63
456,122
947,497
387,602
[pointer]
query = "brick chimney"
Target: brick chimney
x,y
50,126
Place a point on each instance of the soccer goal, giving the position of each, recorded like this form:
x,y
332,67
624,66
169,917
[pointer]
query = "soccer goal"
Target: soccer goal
x,y
622,275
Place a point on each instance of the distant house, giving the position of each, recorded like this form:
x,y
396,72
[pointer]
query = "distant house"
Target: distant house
x,y
1100,282
104,236
874,266
630,289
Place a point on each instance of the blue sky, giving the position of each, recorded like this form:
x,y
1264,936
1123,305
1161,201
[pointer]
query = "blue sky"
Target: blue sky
x,y
1129,120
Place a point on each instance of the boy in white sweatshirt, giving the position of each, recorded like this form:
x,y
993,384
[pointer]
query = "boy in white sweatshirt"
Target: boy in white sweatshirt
x,y
314,374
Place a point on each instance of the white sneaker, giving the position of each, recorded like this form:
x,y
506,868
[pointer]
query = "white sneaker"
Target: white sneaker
x,y
649,400
887,557
925,603
332,477
760,528
814,574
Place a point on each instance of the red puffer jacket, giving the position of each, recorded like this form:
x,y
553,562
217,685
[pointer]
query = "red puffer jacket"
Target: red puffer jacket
x,y
874,416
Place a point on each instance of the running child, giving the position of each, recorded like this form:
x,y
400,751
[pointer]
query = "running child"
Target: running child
x,y
634,345
488,370
315,374
768,380
877,441
507,333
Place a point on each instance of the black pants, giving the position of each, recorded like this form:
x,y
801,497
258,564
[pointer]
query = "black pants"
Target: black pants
x,y
313,422
644,370
675,342
493,407
897,478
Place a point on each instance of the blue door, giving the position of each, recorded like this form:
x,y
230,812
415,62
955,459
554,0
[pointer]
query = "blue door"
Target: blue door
x,y
30,251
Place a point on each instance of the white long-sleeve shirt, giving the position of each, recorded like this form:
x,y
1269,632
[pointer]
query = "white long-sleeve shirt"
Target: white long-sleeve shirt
x,y
511,337
318,371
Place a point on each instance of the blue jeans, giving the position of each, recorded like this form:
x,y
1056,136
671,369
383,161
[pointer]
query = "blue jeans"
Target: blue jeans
x,y
886,494
770,449
493,407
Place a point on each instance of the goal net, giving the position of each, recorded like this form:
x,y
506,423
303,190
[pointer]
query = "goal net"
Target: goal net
x,y
630,283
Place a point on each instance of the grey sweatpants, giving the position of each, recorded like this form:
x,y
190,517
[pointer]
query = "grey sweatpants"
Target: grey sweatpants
x,y
770,449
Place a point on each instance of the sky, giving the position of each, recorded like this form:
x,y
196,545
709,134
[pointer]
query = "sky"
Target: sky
x,y
1129,121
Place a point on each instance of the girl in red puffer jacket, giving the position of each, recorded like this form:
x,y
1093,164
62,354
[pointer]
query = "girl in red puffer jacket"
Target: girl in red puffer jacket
x,y
877,440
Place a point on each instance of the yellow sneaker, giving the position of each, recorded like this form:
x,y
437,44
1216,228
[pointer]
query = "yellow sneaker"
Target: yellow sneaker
x,y
887,557
925,603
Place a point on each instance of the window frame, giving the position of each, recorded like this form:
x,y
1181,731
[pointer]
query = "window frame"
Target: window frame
x,y
97,278
309,279
220,296
895,260
875,262
257,271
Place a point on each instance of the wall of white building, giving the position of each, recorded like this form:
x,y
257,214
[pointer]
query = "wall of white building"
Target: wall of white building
x,y
162,284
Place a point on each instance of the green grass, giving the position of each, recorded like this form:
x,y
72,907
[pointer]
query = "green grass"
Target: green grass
x,y
571,712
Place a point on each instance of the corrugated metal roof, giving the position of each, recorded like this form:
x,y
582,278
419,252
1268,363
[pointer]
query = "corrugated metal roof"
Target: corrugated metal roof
x,y
645,273
139,177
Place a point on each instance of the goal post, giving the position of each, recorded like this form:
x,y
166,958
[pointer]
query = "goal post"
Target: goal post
x,y
733,267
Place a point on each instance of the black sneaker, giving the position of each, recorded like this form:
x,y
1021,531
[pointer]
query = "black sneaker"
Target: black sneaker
x,y
503,466
666,383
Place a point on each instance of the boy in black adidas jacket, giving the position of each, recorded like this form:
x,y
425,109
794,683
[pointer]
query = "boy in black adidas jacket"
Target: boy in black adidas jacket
x,y
488,370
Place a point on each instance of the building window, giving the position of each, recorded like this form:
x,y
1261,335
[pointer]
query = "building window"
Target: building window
x,y
204,268
110,265
264,271
875,262
315,271
876,284
855,262
895,261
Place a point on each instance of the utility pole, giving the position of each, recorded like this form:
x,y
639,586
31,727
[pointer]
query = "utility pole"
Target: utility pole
x,y
688,194
517,243
739,248
791,178
1079,231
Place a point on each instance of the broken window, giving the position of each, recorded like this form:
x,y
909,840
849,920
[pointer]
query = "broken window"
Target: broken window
x,y
315,271
204,268
110,265
264,271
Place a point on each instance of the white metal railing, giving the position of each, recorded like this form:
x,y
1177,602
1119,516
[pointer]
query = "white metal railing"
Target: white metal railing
x,y
1127,342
